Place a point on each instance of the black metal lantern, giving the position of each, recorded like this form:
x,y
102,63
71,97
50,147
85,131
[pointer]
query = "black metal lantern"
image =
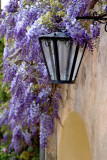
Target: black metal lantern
x,y
62,57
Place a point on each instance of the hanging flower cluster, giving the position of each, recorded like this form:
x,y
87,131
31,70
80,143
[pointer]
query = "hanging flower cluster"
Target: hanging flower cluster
x,y
33,101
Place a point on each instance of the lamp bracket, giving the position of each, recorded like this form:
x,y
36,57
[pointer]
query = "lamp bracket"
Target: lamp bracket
x,y
101,18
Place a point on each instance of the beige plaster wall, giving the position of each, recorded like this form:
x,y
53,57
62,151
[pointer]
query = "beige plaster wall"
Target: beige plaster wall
x,y
88,97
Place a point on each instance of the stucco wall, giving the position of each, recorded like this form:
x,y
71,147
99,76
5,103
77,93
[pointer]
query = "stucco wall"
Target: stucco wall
x,y
88,97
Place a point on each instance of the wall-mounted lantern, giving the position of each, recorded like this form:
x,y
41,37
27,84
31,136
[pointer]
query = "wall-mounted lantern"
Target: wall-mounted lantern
x,y
62,57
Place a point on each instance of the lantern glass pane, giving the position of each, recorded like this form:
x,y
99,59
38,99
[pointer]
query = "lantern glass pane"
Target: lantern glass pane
x,y
63,57
71,53
80,53
48,50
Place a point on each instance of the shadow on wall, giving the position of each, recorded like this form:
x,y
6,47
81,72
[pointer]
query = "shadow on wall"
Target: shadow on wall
x,y
74,143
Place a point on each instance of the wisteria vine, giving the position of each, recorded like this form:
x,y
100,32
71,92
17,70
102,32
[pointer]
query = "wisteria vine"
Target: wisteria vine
x,y
34,102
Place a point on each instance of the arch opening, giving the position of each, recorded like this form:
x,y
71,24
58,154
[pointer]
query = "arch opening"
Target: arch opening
x,y
74,144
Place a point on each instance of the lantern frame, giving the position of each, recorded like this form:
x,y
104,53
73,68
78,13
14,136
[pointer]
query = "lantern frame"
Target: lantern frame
x,y
54,37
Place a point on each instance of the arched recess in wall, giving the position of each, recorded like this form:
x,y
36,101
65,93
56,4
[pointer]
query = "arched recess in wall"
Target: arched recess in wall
x,y
74,144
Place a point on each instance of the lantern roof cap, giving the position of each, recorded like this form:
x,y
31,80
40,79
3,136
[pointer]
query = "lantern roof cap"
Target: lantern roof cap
x,y
56,35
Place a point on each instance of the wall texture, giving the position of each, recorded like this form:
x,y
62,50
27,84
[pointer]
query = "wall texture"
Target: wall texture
x,y
88,98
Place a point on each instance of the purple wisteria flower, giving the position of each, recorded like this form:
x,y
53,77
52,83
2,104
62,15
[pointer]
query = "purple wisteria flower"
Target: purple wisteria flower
x,y
12,6
27,137
105,7
46,130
